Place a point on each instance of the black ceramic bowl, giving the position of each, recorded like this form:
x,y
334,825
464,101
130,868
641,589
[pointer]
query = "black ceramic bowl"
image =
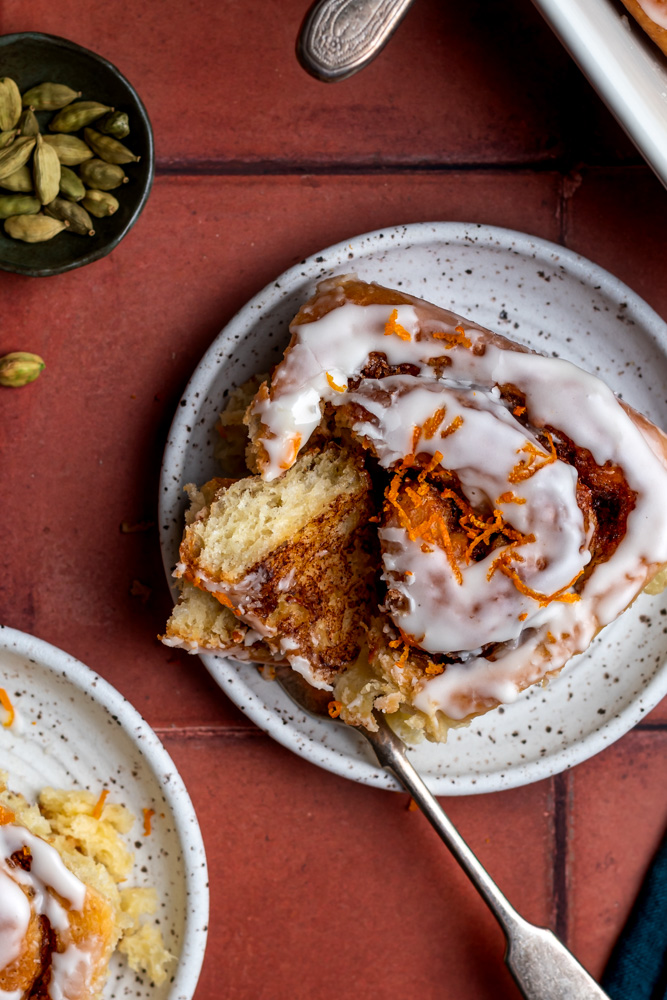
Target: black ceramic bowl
x,y
30,58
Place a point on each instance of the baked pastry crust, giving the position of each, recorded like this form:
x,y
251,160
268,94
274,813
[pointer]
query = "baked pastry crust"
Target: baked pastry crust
x,y
651,15
516,502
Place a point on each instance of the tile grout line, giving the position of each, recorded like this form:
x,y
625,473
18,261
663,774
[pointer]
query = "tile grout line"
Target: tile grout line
x,y
562,794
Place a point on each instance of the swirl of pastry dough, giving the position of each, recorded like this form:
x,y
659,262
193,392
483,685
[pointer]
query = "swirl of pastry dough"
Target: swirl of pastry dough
x,y
506,470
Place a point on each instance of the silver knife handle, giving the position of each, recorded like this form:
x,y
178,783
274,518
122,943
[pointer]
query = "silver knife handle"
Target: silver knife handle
x,y
340,37
542,967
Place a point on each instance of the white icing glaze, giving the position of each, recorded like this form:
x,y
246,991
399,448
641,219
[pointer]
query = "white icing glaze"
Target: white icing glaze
x,y
443,614
48,875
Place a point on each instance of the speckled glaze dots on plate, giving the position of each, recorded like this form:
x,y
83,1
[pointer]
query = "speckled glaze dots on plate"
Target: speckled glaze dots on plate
x,y
541,295
72,731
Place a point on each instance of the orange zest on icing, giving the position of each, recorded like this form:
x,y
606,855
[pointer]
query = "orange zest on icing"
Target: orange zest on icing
x,y
148,816
8,707
454,426
535,461
510,497
503,564
336,388
393,326
457,339
334,708
99,805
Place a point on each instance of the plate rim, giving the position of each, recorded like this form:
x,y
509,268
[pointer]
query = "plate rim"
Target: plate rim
x,y
309,268
146,741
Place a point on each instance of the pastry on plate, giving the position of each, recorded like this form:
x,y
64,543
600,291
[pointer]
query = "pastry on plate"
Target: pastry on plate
x,y
514,506
63,910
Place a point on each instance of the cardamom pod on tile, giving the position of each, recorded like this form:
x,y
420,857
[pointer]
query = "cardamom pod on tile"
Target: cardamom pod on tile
x,y
101,175
27,123
100,203
108,148
116,123
20,368
69,211
33,228
10,103
46,172
77,115
71,151
71,185
20,180
7,138
49,96
18,204
14,156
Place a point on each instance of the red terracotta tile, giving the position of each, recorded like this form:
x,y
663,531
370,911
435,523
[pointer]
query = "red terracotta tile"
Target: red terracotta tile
x,y
618,816
466,83
617,217
120,339
324,888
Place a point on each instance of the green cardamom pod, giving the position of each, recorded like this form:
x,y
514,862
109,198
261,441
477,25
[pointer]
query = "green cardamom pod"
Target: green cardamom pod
x,y
19,368
7,138
14,156
49,96
71,185
116,123
18,204
77,115
68,211
28,124
46,172
71,151
100,203
101,175
107,148
20,180
33,228
10,103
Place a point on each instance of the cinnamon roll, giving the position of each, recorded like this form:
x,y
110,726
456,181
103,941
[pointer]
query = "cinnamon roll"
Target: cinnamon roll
x,y
651,15
517,503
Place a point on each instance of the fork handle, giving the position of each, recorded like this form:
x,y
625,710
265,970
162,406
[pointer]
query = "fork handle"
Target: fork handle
x,y
541,965
340,37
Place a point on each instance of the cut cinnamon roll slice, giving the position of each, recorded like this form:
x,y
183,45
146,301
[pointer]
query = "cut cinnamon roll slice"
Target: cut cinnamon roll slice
x,y
63,908
522,503
651,15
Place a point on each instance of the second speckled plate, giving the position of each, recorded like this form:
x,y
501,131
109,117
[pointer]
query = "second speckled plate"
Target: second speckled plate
x,y
74,731
538,294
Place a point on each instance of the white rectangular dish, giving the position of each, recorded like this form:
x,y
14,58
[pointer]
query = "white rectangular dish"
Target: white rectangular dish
x,y
626,68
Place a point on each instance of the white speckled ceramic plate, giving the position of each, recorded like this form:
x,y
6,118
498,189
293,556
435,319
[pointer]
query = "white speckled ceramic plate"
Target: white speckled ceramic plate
x,y
541,295
73,730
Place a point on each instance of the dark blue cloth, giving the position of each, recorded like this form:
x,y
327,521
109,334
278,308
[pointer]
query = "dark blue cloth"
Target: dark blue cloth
x,y
637,969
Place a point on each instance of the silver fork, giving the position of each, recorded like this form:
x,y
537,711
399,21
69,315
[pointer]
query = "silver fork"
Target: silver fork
x,y
541,965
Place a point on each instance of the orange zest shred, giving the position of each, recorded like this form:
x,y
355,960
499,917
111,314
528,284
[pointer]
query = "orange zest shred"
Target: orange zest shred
x,y
8,707
393,326
432,423
226,602
99,805
412,806
433,669
535,461
523,617
510,497
519,411
334,708
337,388
148,816
503,564
454,426
290,458
457,339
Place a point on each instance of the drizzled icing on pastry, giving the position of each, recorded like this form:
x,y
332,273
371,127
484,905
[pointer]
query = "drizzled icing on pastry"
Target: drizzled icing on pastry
x,y
51,891
501,465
